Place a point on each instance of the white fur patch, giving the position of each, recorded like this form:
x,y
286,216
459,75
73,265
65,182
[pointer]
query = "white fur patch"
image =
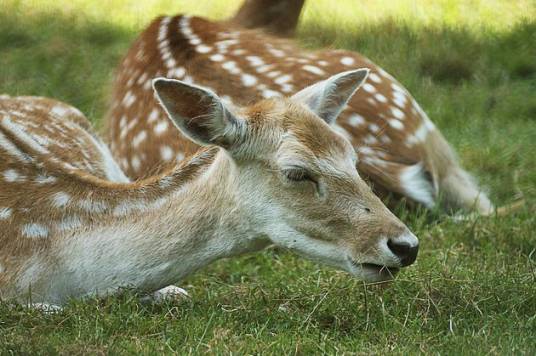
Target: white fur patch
x,y
375,78
166,153
161,127
356,120
69,223
416,186
12,175
347,61
369,88
61,199
5,213
34,230
313,69
380,97
248,80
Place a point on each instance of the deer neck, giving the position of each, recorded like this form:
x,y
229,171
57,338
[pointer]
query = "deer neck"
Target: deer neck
x,y
278,17
191,225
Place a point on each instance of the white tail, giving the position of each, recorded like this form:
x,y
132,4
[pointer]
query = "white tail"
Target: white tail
x,y
400,149
278,173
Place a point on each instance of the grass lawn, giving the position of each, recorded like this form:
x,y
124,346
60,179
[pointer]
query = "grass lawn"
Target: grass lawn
x,y
472,66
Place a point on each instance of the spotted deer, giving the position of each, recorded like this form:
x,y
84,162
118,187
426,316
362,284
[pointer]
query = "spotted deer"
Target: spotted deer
x,y
274,172
401,151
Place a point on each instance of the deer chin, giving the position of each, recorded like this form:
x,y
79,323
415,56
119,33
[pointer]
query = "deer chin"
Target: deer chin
x,y
371,272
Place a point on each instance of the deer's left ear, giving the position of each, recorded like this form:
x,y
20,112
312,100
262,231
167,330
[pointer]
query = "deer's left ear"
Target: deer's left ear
x,y
199,113
329,97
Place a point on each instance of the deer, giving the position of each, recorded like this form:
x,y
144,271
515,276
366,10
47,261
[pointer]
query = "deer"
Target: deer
x,y
274,172
277,17
402,153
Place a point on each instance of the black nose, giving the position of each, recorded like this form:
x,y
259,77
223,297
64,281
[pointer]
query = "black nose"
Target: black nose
x,y
404,251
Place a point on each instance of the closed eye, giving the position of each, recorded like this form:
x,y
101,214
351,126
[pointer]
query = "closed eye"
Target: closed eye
x,y
298,175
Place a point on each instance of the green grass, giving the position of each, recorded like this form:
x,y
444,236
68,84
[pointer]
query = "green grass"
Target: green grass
x,y
472,66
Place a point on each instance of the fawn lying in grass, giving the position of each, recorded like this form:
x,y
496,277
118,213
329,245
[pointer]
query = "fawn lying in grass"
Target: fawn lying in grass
x,y
274,172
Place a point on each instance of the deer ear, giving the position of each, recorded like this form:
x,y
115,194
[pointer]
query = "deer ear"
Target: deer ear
x,y
329,97
199,113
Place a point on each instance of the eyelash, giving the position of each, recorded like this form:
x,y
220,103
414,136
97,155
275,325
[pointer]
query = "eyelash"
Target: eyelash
x,y
298,175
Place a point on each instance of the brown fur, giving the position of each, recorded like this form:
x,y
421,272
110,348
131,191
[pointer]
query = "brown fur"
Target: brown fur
x,y
385,124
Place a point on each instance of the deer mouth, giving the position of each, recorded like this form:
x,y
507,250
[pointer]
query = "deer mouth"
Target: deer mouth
x,y
376,273
380,269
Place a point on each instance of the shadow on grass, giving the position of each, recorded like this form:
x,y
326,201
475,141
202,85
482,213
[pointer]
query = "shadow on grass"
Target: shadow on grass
x,y
67,58
448,56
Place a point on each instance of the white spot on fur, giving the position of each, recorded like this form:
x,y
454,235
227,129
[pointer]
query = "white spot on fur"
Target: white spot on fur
x,y
255,61
356,120
217,57
399,99
265,68
276,52
136,163
375,78
374,128
161,127
380,97
313,69
152,116
231,67
419,135
19,131
416,186
61,199
399,114
396,124
203,49
12,175
369,88
44,179
5,213
239,52
92,206
177,73
34,230
11,149
59,111
283,79
171,63
125,207
139,138
268,93
347,61
397,88
69,223
166,153
129,99
370,140
273,74
248,80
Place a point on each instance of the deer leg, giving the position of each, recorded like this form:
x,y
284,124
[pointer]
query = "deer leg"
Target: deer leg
x,y
167,294
46,308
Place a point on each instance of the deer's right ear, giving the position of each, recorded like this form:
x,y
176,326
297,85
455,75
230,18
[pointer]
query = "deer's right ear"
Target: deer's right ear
x,y
199,113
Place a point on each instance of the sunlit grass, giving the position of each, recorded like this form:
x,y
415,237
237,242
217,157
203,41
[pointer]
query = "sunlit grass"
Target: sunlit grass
x,y
472,66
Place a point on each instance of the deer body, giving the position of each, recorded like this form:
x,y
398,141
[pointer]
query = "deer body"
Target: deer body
x,y
400,149
275,172
71,232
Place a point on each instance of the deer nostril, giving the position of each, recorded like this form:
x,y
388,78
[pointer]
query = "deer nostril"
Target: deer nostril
x,y
403,250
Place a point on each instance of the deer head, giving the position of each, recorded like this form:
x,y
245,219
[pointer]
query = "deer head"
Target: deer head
x,y
296,176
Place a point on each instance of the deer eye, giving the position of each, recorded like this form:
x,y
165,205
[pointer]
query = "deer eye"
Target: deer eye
x,y
298,175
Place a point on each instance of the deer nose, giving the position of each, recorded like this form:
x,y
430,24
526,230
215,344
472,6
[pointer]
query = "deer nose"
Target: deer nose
x,y
404,248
